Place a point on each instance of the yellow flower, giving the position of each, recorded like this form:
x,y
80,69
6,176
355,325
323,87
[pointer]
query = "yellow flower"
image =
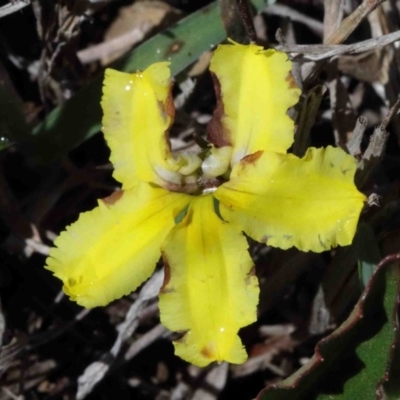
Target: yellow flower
x,y
192,209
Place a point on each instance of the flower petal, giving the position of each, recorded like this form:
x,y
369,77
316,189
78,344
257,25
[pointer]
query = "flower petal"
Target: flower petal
x,y
138,111
310,203
109,251
212,291
257,90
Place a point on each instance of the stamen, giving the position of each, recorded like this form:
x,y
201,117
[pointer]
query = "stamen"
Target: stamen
x,y
188,162
217,163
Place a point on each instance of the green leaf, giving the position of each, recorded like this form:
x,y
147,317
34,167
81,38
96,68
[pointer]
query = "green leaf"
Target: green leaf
x,y
13,127
355,360
79,118
367,249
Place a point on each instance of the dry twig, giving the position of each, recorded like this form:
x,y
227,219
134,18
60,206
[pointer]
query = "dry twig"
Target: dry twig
x,y
332,17
96,371
317,52
284,11
376,148
352,21
354,143
13,6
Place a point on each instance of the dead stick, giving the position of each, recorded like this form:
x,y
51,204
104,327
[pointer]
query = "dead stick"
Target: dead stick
x,y
247,18
352,21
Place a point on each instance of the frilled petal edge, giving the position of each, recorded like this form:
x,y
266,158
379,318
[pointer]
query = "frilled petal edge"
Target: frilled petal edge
x,y
310,203
109,251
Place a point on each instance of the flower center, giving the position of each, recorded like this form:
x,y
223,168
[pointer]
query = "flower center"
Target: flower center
x,y
199,173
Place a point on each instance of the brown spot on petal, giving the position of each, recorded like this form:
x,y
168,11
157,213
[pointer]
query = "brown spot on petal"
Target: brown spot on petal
x,y
250,275
113,198
251,158
167,109
208,351
169,105
291,81
167,274
217,134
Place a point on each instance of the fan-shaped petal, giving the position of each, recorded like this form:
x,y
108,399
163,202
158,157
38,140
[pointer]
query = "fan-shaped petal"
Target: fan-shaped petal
x,y
254,91
109,251
138,111
212,291
310,203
